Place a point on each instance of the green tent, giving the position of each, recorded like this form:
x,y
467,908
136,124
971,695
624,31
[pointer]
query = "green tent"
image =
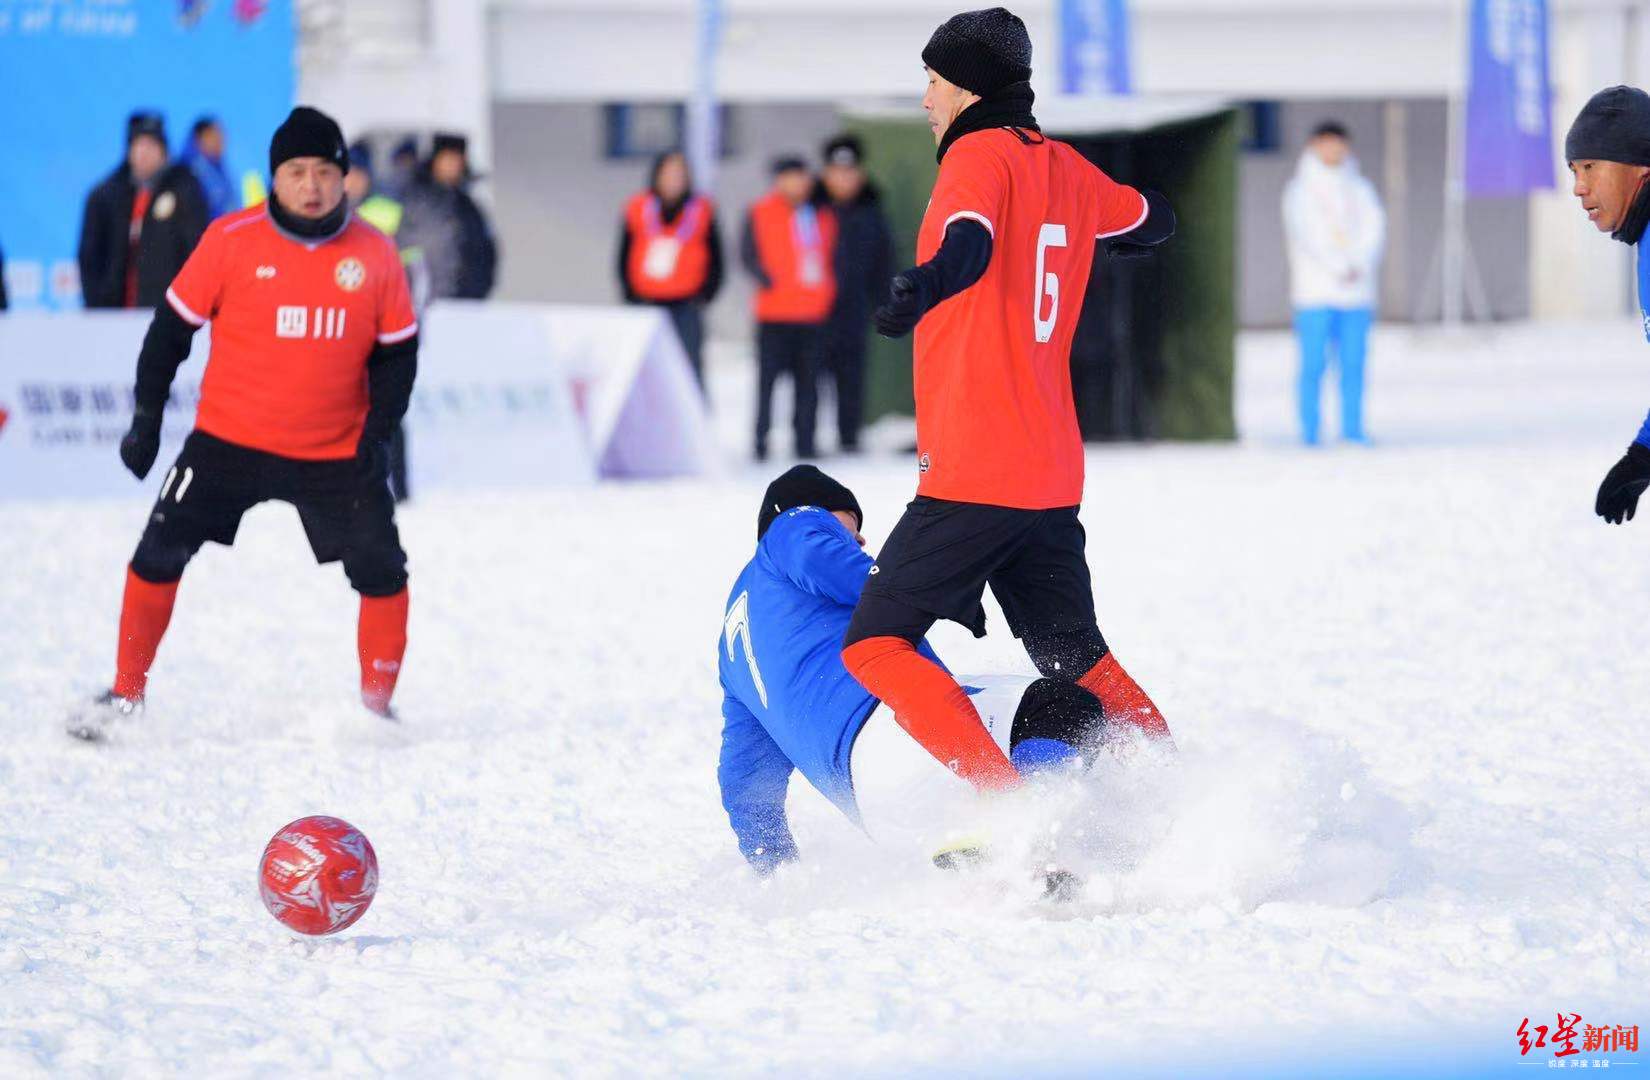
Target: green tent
x,y
1153,353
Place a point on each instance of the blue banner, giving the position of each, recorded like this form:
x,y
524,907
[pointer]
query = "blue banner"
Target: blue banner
x,y
1509,141
71,71
1094,47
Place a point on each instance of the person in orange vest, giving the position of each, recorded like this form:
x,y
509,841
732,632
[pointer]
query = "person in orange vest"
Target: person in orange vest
x,y
670,252
788,246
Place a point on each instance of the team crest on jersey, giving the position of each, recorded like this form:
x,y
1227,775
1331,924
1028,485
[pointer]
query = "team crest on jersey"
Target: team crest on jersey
x,y
923,464
349,274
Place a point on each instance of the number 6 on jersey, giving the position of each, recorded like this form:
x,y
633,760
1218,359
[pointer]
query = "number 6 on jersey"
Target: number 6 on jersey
x,y
1050,235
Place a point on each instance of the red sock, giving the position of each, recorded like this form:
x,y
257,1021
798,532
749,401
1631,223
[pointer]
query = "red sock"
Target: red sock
x,y
932,708
382,640
1123,699
144,612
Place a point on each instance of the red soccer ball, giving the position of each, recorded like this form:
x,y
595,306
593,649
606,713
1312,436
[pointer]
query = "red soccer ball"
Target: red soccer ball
x,y
318,875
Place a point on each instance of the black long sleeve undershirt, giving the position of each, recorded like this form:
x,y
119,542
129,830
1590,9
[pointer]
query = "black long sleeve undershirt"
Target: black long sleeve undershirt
x,y
165,347
961,260
1158,226
391,370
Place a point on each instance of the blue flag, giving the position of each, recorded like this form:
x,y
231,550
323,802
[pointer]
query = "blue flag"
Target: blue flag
x,y
1094,47
1509,101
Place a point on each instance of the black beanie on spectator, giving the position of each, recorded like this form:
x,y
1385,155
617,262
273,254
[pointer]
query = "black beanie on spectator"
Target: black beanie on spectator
x,y
845,150
308,132
146,122
804,485
785,163
981,51
1614,125
447,140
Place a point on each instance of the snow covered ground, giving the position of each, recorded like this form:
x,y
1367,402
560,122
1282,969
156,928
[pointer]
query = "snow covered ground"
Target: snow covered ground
x,y
1412,806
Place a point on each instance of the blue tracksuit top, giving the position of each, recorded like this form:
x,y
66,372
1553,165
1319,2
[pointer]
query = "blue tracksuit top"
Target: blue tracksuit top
x,y
787,701
1644,310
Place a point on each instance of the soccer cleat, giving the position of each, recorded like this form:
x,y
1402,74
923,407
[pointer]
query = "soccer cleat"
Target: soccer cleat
x,y
379,707
91,722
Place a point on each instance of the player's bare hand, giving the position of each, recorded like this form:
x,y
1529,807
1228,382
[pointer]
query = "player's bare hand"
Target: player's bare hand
x,y
141,443
901,313
1618,496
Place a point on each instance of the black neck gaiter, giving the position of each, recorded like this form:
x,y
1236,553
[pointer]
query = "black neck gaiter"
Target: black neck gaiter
x,y
1638,215
1009,107
309,230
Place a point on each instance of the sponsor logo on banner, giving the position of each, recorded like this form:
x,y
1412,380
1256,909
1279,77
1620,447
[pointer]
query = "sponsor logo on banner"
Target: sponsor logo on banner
x,y
66,414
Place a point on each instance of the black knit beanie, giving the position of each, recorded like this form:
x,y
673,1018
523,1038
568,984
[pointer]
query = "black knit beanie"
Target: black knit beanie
x,y
1614,125
308,132
146,122
981,51
804,485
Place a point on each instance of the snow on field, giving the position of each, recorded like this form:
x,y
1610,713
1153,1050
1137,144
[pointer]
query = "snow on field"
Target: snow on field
x,y
1411,808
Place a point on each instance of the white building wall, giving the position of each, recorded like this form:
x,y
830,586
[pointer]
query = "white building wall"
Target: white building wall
x,y
468,55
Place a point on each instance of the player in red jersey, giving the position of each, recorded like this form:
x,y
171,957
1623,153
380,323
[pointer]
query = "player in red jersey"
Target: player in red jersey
x,y
314,352
1004,256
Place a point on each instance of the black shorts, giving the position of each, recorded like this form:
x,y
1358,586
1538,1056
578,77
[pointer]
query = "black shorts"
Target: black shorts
x,y
346,515
941,556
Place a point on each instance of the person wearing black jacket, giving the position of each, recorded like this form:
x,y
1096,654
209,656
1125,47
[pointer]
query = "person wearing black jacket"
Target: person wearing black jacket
x,y
864,263
140,223
670,252
314,353
445,238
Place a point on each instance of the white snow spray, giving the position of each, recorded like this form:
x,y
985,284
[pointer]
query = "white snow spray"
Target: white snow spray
x,y
1273,812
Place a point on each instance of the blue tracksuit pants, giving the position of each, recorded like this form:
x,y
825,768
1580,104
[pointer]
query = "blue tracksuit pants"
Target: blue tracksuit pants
x,y
1346,330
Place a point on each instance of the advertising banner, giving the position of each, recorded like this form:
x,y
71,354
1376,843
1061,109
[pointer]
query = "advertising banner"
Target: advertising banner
x,y
71,71
508,396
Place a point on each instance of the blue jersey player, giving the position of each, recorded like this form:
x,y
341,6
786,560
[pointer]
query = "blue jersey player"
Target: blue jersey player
x,y
1608,149
788,704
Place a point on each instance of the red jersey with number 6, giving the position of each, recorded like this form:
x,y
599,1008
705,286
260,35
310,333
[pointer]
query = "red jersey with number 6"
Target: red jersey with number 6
x,y
995,418
293,323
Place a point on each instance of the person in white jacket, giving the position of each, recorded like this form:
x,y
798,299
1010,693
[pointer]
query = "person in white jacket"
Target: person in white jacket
x,y
1334,228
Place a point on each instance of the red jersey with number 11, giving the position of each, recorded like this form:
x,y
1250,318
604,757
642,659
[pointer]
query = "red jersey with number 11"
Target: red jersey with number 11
x,y
995,418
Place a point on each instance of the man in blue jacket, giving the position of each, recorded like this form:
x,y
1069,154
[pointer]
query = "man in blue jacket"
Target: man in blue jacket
x,y
1608,149
788,703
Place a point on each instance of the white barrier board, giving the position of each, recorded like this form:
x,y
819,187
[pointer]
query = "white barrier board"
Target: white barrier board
x,y
508,395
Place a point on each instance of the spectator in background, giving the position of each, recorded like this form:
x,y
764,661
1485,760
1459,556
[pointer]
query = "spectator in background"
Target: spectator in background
x,y
1334,228
787,245
204,156
140,223
403,169
864,254
384,214
445,238
360,188
2,280
670,253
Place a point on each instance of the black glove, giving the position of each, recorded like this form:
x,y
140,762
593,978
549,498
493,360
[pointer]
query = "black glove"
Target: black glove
x,y
903,310
1618,496
141,442
1122,249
